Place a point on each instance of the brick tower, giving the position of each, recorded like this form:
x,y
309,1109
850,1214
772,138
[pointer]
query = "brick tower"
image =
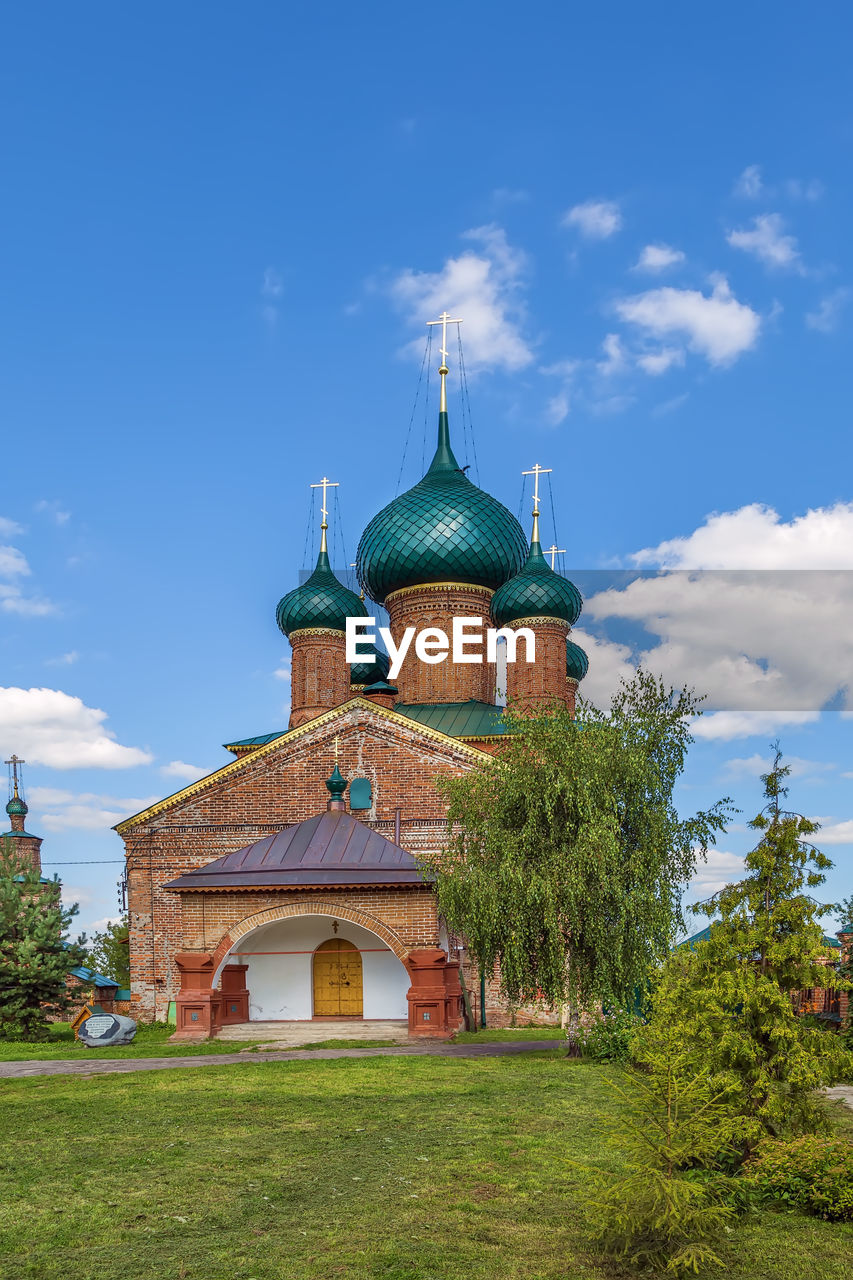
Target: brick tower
x,y
313,617
24,845
541,601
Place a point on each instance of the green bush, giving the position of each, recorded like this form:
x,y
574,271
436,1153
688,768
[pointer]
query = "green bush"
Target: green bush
x,y
608,1039
811,1173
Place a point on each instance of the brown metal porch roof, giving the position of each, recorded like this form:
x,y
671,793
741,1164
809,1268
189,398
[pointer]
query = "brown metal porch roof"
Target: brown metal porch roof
x,y
331,849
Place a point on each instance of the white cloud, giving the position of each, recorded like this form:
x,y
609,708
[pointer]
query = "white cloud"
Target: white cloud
x,y
768,242
180,769
658,362
13,563
484,288
749,185
720,868
658,257
13,566
670,406
768,635
64,659
755,537
614,356
755,765
835,833
87,811
54,509
98,926
8,528
49,727
272,285
557,408
609,663
76,895
283,672
594,219
827,314
717,327
797,189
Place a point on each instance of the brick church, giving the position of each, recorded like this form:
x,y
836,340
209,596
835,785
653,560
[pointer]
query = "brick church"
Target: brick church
x,y
285,886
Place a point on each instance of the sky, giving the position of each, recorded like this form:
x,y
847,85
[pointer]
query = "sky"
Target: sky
x,y
224,229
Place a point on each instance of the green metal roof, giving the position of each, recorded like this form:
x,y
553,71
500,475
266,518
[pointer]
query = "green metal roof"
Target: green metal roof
x,y
470,719
250,743
370,670
704,934
536,590
322,601
445,529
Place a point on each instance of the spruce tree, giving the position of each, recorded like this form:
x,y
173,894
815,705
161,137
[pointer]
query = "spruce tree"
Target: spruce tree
x,y
730,999
35,954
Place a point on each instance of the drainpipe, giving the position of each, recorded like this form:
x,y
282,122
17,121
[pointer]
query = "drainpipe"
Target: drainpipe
x,y
397,826
482,997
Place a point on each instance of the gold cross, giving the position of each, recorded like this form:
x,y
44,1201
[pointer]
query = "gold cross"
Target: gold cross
x,y
444,320
14,762
554,551
337,743
537,471
324,485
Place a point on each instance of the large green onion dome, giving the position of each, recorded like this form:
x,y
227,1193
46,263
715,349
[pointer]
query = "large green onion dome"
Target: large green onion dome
x,y
370,670
445,529
577,662
536,592
321,601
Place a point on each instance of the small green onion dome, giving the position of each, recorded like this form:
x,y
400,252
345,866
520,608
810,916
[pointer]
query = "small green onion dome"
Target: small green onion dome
x,y
382,686
16,805
322,601
577,662
445,529
369,670
537,591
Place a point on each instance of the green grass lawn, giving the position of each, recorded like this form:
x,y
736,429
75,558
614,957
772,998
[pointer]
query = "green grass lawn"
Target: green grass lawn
x,y
488,1036
149,1042
368,1169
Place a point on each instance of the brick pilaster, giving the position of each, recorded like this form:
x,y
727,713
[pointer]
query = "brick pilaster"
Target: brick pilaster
x,y
436,605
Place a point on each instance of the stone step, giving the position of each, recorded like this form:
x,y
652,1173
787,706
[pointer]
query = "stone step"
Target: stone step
x,y
309,1032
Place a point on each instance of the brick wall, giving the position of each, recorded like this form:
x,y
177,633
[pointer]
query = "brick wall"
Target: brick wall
x,y
263,793
319,675
436,605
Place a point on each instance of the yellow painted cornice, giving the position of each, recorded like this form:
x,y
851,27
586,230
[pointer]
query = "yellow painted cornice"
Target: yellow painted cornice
x,y
293,735
439,586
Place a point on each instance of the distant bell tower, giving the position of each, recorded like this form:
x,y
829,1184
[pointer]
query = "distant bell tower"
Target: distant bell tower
x,y
23,844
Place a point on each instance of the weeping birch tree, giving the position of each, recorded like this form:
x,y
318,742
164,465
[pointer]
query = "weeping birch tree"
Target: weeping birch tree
x,y
566,857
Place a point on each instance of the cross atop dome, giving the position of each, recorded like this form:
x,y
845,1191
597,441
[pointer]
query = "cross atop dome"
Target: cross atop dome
x,y
324,484
536,471
14,761
444,320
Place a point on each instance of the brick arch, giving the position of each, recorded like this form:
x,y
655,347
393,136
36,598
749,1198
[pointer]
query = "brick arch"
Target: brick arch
x,y
288,911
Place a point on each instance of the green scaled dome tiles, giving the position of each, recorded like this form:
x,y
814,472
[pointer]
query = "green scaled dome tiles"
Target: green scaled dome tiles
x,y
322,601
536,592
445,529
16,805
577,663
370,670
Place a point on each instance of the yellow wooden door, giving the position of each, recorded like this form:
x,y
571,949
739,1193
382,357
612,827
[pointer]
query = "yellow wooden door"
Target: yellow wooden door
x,y
337,980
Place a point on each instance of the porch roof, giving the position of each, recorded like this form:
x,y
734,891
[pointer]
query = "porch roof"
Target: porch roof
x,y
331,849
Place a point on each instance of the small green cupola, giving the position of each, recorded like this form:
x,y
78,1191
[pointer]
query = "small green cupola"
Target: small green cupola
x,y
16,806
537,591
322,601
577,662
370,670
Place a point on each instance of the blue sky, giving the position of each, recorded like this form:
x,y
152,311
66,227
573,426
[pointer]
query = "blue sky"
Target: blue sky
x,y
223,231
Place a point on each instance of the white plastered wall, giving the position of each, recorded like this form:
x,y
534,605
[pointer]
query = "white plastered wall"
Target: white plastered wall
x,y
279,977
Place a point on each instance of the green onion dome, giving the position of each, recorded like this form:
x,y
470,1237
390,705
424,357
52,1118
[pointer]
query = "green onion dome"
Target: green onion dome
x,y
370,670
445,529
322,601
577,662
536,592
16,805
